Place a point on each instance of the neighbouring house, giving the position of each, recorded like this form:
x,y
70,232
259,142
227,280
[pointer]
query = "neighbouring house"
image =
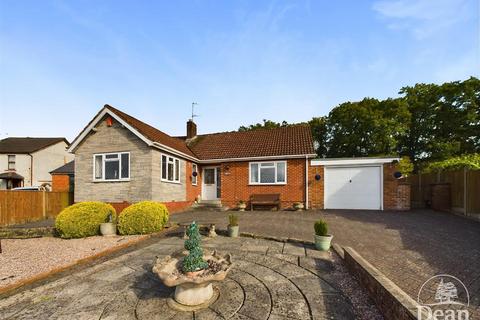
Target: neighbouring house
x,y
120,159
26,162
63,178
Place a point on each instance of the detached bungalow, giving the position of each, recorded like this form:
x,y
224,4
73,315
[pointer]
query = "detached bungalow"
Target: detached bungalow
x,y
120,159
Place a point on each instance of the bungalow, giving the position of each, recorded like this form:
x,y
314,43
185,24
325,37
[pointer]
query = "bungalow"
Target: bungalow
x,y
120,159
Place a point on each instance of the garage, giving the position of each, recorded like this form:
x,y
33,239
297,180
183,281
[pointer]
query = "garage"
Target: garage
x,y
353,183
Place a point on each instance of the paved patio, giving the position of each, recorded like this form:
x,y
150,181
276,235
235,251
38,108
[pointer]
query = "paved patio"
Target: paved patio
x,y
270,280
409,247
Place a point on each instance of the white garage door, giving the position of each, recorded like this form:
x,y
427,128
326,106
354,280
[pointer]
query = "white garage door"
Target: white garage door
x,y
353,187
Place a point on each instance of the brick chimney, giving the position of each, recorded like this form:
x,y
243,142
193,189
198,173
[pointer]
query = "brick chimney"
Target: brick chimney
x,y
191,129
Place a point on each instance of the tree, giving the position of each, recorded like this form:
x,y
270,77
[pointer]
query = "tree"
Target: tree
x,y
267,124
318,125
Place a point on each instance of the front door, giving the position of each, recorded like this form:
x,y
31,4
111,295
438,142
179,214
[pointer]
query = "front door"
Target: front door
x,y
210,183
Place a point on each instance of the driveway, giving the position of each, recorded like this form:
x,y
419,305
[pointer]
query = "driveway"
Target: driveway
x,y
408,247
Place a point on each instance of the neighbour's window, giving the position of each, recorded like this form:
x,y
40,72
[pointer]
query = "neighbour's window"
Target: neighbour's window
x,y
194,176
170,169
274,172
11,162
112,166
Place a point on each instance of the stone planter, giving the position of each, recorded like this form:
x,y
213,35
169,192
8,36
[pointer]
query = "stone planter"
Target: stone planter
x,y
233,231
322,243
194,290
298,206
108,229
241,206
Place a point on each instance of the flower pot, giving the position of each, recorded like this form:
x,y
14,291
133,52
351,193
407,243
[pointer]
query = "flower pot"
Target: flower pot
x,y
242,206
298,206
322,243
233,231
193,274
108,229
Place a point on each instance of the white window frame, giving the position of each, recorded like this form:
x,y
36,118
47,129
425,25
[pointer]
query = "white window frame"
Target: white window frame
x,y
10,162
259,170
173,160
194,178
119,154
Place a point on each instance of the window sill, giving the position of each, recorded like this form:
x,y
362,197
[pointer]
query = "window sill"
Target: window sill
x,y
100,181
268,184
173,182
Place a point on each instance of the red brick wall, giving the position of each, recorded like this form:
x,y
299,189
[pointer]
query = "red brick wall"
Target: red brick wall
x,y
235,184
60,183
193,191
396,193
174,206
315,188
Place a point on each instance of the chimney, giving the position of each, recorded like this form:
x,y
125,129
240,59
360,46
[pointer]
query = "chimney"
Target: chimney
x,y
191,129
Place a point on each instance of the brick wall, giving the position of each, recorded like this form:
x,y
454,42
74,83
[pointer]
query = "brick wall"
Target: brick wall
x,y
396,193
315,187
60,183
173,207
193,191
235,184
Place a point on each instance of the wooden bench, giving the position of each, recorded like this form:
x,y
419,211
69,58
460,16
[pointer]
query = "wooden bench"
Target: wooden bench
x,y
265,199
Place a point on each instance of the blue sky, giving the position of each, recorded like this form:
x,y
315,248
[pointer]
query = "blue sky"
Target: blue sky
x,y
242,61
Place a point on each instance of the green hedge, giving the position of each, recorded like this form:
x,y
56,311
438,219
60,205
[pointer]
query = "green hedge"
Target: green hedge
x,y
142,218
83,219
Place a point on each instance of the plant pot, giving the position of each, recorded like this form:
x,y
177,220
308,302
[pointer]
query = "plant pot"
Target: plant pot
x,y
193,274
108,229
298,206
322,243
242,206
233,231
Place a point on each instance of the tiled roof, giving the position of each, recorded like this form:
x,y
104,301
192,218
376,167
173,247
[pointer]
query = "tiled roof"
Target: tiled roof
x,y
290,140
27,145
153,133
295,140
68,168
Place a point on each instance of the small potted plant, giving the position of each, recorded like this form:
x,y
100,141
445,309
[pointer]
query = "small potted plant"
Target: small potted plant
x,y
241,205
109,228
233,225
322,238
298,206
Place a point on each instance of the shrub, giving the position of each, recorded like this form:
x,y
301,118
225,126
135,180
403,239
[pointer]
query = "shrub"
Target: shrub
x,y
83,219
232,220
321,228
142,218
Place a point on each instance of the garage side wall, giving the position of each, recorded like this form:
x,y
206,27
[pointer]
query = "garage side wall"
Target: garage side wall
x,y
315,187
396,193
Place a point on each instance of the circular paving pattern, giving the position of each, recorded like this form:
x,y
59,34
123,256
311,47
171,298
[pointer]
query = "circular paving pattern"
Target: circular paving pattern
x,y
258,287
266,282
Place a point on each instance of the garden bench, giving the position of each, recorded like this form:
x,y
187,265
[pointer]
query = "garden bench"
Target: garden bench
x,y
265,199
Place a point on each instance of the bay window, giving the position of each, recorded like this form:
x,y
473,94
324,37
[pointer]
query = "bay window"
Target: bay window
x,y
170,169
272,172
111,166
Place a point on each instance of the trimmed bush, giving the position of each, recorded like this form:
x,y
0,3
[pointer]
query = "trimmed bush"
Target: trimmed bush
x,y
321,228
83,219
142,218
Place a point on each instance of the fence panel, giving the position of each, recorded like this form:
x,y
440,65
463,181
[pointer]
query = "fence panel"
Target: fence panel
x,y
18,207
473,195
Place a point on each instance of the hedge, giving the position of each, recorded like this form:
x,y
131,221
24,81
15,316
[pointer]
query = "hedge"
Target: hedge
x,y
142,218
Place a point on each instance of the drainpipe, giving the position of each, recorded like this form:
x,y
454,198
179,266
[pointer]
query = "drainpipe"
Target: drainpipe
x,y
306,182
31,170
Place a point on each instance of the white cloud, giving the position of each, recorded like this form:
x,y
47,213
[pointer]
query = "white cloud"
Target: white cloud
x,y
425,17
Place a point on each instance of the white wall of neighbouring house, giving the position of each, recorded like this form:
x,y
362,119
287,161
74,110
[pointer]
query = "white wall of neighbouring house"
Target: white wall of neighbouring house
x,y
22,167
48,159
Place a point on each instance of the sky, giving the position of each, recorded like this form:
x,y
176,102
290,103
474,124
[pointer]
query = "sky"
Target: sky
x,y
241,61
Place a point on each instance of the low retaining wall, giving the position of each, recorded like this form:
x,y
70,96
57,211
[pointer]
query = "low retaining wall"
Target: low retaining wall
x,y
392,301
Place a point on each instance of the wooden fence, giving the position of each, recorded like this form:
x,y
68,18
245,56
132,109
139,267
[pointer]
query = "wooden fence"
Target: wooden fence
x,y
24,206
464,190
